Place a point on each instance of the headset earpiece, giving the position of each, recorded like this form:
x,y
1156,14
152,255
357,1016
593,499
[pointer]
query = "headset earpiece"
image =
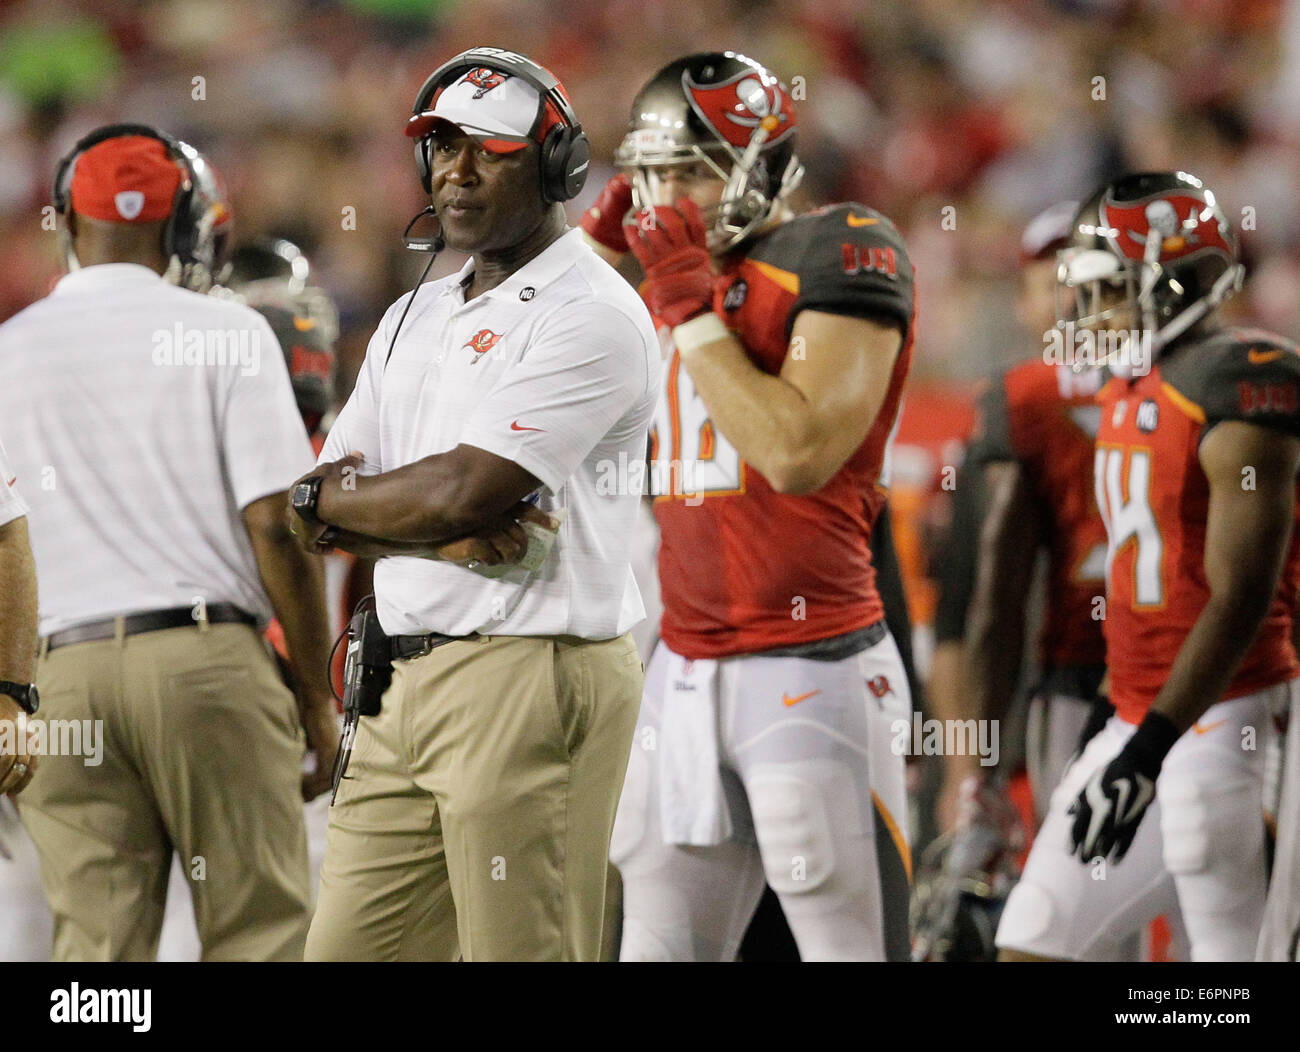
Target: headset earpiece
x,y
422,165
181,228
564,156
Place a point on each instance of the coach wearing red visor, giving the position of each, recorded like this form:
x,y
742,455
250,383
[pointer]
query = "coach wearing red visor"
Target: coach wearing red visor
x,y
475,816
156,459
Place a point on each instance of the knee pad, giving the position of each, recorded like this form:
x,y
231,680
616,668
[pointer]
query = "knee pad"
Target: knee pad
x,y
1204,824
800,812
1185,819
1215,832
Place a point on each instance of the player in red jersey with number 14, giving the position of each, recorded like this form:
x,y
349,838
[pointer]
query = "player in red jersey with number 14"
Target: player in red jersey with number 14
x,y
1195,472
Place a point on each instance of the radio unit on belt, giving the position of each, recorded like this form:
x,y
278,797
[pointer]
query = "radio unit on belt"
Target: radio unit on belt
x,y
367,671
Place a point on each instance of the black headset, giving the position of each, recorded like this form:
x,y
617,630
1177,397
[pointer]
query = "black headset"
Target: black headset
x,y
564,152
180,233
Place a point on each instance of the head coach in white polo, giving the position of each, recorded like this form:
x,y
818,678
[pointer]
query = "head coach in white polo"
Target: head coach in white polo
x,y
476,813
154,433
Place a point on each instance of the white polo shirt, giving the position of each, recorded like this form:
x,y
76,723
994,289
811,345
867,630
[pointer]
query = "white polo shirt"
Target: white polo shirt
x,y
556,369
141,419
12,505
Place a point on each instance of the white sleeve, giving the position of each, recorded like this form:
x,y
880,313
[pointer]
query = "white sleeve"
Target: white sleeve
x,y
584,370
12,505
357,425
265,443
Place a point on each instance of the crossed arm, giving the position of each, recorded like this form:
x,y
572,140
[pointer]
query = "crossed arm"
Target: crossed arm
x,y
456,506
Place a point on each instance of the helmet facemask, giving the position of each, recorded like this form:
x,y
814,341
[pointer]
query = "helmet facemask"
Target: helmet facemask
x,y
1088,283
205,265
746,204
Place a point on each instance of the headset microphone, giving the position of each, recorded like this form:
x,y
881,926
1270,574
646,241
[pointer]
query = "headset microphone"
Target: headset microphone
x,y
433,244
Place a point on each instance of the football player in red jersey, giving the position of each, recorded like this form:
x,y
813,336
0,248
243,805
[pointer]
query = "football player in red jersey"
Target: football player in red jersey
x,y
1029,466
764,743
1034,446
1195,471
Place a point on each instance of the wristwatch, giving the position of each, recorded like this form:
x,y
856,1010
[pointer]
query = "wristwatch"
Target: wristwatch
x,y
24,693
305,496
304,499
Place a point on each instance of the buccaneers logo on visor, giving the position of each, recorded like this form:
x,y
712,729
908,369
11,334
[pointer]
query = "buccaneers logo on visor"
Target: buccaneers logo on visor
x,y
735,108
1183,224
484,80
482,341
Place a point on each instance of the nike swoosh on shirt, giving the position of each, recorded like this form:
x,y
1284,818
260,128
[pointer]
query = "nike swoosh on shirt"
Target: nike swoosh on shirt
x,y
795,701
860,220
517,426
1263,357
1208,727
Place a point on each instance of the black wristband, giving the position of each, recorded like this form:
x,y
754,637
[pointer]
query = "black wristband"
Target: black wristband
x,y
1155,736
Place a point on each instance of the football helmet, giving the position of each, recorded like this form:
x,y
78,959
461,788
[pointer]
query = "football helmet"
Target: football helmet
x,y
272,271
1162,240
733,115
965,877
207,265
271,275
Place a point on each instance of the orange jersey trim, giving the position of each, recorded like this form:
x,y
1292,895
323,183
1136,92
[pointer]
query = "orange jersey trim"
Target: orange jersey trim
x,y
784,278
1184,403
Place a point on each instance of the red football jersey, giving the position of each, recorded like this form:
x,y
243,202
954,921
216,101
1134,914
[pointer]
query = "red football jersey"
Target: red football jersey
x,y
1045,418
743,568
1155,498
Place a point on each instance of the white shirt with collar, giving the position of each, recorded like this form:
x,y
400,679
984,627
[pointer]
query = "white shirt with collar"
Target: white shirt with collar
x,y
141,419
556,369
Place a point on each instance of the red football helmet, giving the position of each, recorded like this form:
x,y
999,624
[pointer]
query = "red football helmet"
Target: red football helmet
x,y
730,113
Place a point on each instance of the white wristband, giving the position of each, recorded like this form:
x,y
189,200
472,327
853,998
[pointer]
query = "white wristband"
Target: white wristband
x,y
691,335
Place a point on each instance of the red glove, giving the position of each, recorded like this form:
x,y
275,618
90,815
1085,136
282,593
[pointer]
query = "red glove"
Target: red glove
x,y
603,221
671,245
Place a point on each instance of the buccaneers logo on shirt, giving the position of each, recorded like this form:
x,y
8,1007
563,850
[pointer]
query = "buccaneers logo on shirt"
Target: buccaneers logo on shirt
x,y
482,342
484,80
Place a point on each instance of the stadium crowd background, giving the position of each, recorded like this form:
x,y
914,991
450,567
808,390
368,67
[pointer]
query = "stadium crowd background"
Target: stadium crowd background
x,y
987,107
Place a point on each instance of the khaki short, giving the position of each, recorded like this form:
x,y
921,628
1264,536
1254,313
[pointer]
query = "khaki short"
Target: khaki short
x,y
475,817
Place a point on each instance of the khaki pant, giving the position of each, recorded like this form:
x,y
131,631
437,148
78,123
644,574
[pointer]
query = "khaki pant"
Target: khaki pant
x,y
201,751
477,809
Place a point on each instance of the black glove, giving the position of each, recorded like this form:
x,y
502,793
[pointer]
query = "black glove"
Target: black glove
x,y
1110,808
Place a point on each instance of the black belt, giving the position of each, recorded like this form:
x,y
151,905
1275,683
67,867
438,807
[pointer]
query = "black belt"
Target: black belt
x,y
153,621
406,647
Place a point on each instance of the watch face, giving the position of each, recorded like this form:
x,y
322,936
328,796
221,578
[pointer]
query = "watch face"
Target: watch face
x,y
33,699
302,495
